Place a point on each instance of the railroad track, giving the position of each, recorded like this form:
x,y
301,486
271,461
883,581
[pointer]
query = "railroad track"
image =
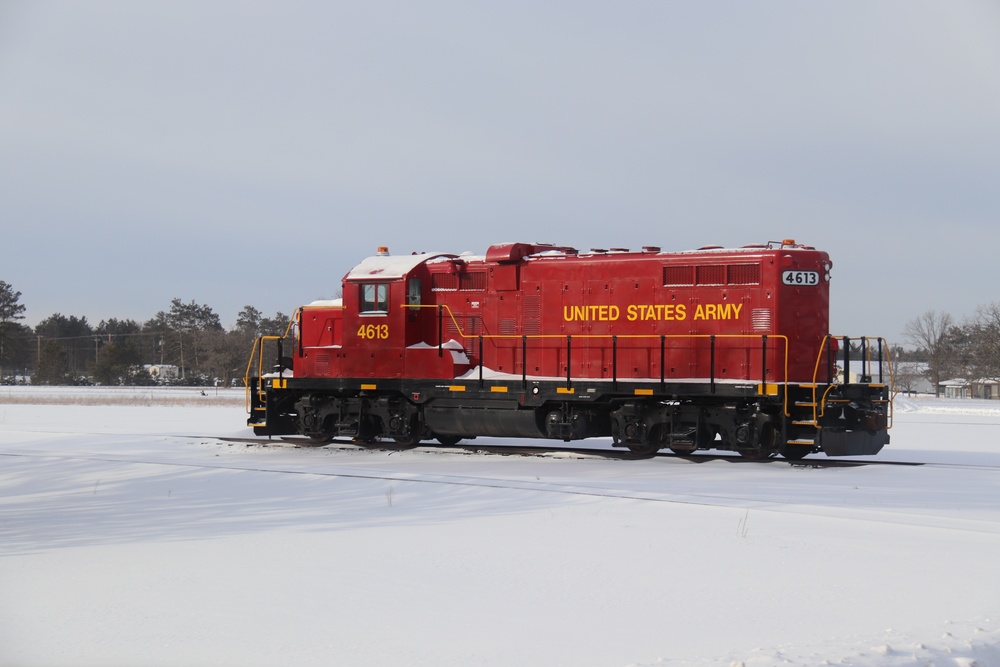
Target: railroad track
x,y
470,447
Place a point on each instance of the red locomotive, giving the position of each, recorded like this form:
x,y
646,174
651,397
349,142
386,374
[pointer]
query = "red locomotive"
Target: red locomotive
x,y
707,349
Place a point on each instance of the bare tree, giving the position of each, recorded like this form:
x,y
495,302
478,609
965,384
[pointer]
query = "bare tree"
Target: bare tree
x,y
906,375
930,332
985,333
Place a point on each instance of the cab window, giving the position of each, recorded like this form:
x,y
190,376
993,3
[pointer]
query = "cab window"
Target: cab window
x,y
413,292
375,298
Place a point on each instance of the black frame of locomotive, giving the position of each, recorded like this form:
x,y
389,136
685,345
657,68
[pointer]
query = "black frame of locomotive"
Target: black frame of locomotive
x,y
793,419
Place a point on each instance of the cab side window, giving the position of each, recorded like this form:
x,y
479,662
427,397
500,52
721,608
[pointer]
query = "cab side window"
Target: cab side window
x,y
413,292
375,298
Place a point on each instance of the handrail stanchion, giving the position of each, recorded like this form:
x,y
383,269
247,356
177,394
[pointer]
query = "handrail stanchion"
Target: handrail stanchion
x,y
524,362
711,363
827,340
763,362
440,330
663,361
847,360
569,360
880,361
614,362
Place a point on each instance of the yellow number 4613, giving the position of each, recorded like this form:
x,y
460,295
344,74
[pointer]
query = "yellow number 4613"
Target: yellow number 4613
x,y
373,331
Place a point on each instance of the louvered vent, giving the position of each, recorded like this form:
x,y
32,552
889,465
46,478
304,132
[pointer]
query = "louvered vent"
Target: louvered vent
x,y
321,366
760,319
532,315
471,328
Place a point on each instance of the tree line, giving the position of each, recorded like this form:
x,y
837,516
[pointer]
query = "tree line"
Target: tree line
x,y
967,350
70,350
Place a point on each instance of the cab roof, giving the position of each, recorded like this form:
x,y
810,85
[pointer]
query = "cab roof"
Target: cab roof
x,y
389,267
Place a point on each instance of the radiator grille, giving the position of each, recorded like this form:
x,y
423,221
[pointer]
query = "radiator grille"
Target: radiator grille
x,y
444,281
743,274
678,275
475,280
711,275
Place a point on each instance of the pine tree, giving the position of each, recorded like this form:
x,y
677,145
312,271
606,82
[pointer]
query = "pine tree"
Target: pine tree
x,y
53,365
10,312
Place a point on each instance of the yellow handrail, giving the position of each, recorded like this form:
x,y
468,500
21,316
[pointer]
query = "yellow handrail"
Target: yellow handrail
x,y
819,406
258,352
461,333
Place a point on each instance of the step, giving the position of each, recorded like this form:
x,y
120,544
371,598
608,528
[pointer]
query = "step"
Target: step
x,y
802,441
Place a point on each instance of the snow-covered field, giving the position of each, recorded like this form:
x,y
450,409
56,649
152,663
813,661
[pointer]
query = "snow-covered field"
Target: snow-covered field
x,y
131,533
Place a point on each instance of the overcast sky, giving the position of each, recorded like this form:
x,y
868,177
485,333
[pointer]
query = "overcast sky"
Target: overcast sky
x,y
237,153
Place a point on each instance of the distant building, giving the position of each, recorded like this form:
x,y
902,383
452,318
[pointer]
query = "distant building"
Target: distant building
x,y
957,388
163,372
988,388
911,377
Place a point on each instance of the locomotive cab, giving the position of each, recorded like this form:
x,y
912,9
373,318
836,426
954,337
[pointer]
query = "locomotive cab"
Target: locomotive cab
x,y
385,326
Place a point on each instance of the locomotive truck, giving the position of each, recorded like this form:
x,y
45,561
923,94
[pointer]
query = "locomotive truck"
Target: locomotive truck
x,y
712,348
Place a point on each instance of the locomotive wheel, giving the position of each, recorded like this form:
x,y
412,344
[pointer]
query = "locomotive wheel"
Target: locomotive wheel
x,y
644,449
448,440
407,442
683,451
320,440
765,447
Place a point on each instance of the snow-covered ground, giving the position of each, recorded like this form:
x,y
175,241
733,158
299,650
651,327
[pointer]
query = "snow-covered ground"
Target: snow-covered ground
x,y
133,534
